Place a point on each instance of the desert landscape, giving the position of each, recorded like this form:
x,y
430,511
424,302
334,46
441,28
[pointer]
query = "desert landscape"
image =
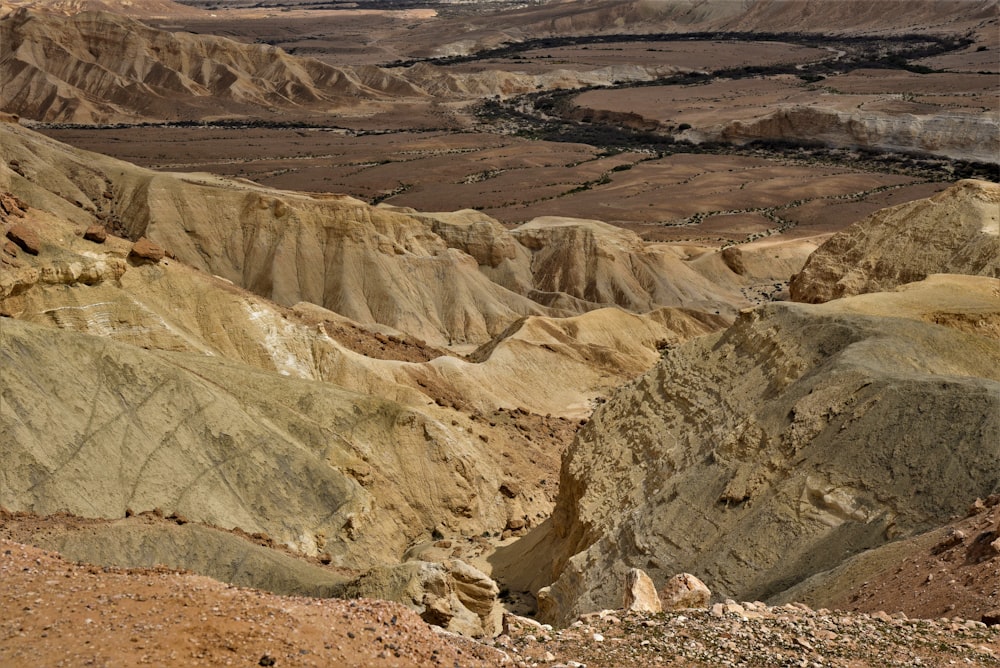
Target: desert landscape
x,y
588,333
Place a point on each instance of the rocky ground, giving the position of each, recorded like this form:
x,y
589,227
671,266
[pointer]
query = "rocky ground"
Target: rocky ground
x,y
753,634
953,571
57,613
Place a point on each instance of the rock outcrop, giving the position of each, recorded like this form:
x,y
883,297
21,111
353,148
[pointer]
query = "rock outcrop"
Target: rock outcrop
x,y
956,231
744,458
963,136
453,595
684,591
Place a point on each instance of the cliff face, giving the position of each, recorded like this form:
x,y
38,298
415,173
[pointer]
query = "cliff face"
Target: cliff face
x,y
956,231
801,435
957,135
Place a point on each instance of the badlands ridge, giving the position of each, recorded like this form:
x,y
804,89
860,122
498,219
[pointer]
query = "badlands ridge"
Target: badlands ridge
x,y
307,394
199,372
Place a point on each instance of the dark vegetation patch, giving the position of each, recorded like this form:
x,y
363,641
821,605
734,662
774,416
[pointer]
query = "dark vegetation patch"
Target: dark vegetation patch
x,y
889,51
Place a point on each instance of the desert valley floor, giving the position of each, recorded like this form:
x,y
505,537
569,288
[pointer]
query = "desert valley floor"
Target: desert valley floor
x,y
416,333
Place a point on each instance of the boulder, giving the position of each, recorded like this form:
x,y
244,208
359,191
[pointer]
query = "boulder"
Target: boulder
x,y
145,250
96,233
25,238
640,593
684,591
453,595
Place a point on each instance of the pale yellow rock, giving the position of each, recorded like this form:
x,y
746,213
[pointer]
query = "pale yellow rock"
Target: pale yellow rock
x,y
765,442
640,593
455,595
956,231
684,591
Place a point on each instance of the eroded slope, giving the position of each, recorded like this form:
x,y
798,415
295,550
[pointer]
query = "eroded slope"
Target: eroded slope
x,y
97,67
800,436
956,231
375,265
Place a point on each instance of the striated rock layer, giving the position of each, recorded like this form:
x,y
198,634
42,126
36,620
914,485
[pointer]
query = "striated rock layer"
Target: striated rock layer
x,y
801,435
960,135
97,67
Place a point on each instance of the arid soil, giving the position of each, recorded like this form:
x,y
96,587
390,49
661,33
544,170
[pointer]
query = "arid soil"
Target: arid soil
x,y
59,613
953,571
864,90
56,612
672,56
463,28
686,197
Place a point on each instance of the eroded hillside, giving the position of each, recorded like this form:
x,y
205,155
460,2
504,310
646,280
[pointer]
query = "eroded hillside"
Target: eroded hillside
x,y
224,408
309,394
957,231
372,264
800,436
97,67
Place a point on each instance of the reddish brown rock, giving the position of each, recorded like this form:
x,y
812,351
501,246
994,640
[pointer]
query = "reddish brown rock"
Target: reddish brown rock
x,y
26,238
96,233
11,206
510,488
145,250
